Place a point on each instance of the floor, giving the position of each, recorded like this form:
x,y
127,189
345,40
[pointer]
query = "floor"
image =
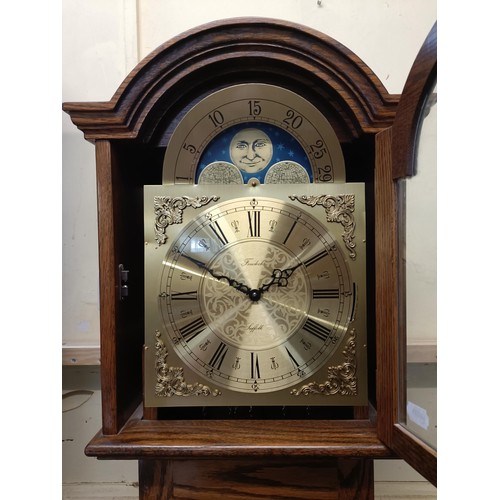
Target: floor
x,y
103,491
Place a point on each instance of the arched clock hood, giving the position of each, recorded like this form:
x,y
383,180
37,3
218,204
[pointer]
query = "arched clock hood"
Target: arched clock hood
x,y
180,72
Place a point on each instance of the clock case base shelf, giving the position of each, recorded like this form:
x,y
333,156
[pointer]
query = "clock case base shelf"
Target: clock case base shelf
x,y
140,438
320,459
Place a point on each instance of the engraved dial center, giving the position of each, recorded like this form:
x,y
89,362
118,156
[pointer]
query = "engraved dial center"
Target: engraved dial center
x,y
264,316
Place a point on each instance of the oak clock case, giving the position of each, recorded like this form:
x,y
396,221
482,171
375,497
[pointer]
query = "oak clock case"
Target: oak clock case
x,y
255,293
138,144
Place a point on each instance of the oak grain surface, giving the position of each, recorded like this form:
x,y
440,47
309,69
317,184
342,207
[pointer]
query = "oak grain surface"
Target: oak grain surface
x,y
212,438
270,479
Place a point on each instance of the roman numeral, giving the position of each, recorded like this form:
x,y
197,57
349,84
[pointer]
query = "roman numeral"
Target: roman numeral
x,y
190,331
315,258
218,357
292,359
184,295
254,223
218,232
353,310
255,366
289,232
329,293
316,329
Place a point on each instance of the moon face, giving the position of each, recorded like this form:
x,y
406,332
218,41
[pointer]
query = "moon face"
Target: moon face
x,y
251,150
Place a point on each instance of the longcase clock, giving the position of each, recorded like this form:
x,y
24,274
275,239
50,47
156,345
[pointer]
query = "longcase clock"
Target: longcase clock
x,y
237,189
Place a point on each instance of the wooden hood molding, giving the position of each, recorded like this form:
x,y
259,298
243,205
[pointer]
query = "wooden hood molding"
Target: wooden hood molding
x,y
164,85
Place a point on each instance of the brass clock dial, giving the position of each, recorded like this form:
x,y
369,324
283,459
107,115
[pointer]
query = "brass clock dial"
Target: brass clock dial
x,y
253,295
297,143
261,274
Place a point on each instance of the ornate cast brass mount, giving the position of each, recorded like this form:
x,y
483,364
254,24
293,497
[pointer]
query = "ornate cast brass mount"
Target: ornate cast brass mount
x,y
341,379
338,209
170,379
169,211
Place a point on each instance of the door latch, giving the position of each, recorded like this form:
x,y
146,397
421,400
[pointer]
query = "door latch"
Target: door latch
x,y
122,282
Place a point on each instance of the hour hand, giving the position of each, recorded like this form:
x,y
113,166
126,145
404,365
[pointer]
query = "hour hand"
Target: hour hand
x,y
280,278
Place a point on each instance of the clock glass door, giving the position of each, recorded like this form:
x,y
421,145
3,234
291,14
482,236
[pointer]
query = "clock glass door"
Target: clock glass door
x,y
413,429
418,265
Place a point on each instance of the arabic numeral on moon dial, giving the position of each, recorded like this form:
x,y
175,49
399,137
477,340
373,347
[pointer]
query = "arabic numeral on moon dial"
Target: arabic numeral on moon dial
x,y
217,118
318,150
293,119
254,108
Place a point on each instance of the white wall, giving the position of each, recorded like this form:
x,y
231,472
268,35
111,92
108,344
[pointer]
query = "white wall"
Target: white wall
x,y
102,42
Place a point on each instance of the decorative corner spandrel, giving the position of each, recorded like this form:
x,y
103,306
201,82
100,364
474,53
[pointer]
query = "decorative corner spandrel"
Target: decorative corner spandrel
x,y
342,379
170,379
338,209
169,210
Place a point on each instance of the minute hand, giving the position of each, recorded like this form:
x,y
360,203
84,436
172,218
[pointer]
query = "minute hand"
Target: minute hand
x,y
235,284
280,278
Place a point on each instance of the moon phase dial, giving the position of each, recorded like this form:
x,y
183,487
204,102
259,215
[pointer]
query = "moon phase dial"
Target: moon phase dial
x,y
266,131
